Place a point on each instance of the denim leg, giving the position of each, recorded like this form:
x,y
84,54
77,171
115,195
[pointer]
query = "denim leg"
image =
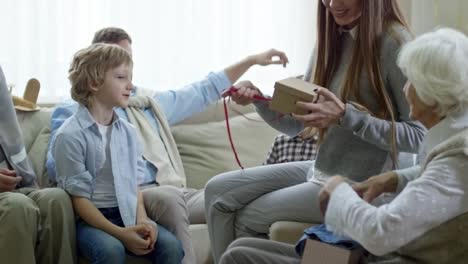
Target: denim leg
x,y
168,249
98,246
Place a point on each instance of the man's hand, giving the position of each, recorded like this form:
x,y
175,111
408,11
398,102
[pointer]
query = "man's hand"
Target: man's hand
x,y
327,190
376,185
8,180
245,93
268,57
136,239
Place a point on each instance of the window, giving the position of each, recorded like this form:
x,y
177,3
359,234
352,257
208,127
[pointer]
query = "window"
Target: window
x,y
174,42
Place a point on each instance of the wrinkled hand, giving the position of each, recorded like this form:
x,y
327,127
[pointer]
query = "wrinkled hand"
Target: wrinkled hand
x,y
136,239
245,93
268,57
153,228
327,190
376,185
326,111
9,180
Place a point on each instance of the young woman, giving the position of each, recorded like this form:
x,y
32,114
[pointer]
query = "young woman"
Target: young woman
x,y
362,116
426,222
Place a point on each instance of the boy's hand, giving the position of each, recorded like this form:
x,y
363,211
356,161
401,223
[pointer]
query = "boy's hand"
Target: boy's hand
x,y
133,239
8,180
153,230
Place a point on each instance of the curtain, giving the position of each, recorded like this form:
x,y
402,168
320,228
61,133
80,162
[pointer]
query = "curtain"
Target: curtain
x,y
174,42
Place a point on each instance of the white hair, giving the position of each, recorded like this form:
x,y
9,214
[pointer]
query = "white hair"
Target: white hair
x,y
436,63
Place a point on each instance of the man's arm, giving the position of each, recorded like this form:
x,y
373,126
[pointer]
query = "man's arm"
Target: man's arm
x,y
182,103
235,71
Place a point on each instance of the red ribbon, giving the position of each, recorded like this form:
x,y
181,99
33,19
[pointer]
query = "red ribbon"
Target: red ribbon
x,y
228,93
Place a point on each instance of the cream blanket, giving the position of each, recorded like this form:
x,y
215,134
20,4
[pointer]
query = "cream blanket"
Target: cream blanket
x,y
159,147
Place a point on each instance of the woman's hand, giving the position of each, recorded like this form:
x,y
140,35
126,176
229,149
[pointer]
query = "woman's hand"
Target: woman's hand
x,y
136,239
376,185
327,190
8,180
245,93
326,111
268,57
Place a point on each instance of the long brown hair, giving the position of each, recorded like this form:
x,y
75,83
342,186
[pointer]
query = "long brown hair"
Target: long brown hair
x,y
376,16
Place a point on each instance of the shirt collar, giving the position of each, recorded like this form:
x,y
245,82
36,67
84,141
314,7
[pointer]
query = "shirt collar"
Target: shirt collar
x,y
352,32
86,120
447,127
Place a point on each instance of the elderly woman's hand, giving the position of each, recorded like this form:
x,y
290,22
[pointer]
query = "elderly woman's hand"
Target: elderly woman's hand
x,y
326,111
376,185
327,190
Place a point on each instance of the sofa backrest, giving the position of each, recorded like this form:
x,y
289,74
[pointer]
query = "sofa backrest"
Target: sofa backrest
x,y
202,141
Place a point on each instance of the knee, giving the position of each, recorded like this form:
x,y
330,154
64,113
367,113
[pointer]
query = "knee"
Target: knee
x,y
217,185
241,242
55,195
231,255
19,207
55,202
163,196
112,251
168,248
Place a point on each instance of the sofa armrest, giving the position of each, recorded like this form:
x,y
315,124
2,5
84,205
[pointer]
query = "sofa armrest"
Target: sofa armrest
x,y
288,231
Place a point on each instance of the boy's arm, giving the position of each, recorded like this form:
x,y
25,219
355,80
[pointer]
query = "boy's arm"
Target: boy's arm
x,y
59,115
87,211
142,218
132,237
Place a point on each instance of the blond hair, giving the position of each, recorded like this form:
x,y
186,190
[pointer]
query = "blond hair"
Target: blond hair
x,y
90,65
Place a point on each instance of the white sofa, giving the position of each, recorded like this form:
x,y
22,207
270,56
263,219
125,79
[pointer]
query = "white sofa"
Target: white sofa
x,y
202,142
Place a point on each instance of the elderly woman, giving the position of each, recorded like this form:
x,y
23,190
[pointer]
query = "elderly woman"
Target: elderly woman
x,y
427,221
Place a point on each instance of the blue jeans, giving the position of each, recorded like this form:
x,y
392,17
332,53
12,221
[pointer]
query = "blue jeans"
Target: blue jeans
x,y
100,247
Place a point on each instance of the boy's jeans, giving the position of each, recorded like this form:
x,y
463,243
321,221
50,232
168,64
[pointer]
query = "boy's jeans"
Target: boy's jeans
x,y
100,247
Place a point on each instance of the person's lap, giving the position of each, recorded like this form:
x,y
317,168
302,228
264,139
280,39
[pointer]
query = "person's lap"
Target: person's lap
x,y
101,247
258,251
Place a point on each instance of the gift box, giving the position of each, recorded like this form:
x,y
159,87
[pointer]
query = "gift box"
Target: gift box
x,y
316,252
288,92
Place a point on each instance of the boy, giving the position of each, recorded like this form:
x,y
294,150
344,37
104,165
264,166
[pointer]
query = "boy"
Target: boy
x,y
99,163
37,226
182,206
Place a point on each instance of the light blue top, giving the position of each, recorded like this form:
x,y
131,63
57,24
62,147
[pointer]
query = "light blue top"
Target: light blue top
x,y
79,154
176,105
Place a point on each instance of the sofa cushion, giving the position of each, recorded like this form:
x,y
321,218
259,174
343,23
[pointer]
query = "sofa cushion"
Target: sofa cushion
x,y
206,151
288,231
32,123
37,154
